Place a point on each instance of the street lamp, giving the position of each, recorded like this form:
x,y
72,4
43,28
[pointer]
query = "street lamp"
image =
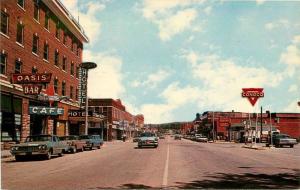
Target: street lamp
x,y
85,66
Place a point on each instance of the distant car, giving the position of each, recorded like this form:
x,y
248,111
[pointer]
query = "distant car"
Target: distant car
x,y
280,140
177,137
73,143
45,145
201,138
148,139
91,141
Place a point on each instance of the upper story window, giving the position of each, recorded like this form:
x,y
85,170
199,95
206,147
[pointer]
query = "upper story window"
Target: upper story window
x,y
46,24
18,66
4,23
71,92
78,51
77,72
20,33
56,57
64,63
35,44
3,63
34,70
21,3
73,46
76,94
36,12
57,31
65,38
72,68
63,88
46,51
55,85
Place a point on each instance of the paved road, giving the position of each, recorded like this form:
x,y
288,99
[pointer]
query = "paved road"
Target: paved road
x,y
174,164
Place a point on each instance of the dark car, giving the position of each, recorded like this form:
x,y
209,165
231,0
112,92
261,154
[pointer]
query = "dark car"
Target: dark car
x,y
73,143
91,141
280,140
45,145
177,137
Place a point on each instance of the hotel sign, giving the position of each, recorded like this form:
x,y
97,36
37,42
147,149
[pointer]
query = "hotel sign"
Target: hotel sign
x,y
252,94
79,113
38,110
83,75
31,78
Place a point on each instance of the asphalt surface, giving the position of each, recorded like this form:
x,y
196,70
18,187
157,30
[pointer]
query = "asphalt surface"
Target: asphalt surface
x,y
174,164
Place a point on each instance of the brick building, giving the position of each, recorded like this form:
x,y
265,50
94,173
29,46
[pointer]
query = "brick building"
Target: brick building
x,y
118,120
37,37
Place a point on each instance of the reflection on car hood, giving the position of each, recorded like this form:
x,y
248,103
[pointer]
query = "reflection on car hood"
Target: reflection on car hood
x,y
147,138
37,143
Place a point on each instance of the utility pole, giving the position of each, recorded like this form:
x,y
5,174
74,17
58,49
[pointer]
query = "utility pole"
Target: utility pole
x,y
261,125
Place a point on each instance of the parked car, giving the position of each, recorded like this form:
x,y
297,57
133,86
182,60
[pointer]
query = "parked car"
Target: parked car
x,y
177,137
280,140
45,145
73,143
201,138
91,141
135,139
161,136
148,139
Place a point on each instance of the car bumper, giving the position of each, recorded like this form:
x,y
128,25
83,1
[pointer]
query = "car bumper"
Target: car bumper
x,y
148,144
42,152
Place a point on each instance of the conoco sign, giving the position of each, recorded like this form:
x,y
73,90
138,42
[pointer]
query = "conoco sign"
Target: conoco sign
x,y
253,94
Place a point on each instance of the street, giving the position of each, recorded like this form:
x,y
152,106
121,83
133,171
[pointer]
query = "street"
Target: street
x,y
174,164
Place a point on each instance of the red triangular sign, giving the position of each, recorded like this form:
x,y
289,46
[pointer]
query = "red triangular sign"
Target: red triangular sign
x,y
253,94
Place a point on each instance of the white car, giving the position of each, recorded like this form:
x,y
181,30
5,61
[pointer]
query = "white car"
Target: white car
x,y
148,139
201,138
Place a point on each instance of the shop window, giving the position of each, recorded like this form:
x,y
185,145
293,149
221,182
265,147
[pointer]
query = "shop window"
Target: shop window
x,y
46,51
3,63
20,33
56,58
21,3
18,66
64,64
4,23
63,88
35,44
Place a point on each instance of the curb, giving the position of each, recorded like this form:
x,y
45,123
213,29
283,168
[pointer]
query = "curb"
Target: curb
x,y
255,148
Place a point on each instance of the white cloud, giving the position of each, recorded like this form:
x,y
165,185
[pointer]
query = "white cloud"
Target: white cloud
x,y
293,107
152,80
105,81
260,2
171,16
293,88
207,10
291,56
91,25
281,23
223,81
156,113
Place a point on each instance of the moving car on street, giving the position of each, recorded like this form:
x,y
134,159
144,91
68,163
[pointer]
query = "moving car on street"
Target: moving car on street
x,y
280,140
73,143
177,137
201,138
91,141
45,145
148,139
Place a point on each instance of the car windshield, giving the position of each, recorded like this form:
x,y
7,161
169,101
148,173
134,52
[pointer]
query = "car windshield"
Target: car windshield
x,y
38,138
147,135
283,136
85,137
67,138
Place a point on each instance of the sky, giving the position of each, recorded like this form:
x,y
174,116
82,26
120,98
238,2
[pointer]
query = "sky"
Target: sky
x,y
171,59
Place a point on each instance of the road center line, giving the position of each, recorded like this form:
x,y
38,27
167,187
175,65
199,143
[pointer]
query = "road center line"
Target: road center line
x,y
166,171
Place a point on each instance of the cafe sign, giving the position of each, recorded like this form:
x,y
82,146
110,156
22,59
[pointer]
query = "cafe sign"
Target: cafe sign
x,y
40,110
252,94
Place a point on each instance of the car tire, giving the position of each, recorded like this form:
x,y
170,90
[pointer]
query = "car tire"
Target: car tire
x,y
48,155
61,153
98,147
92,147
291,146
19,158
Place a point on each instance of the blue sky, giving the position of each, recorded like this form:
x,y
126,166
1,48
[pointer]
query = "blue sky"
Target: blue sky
x,y
169,59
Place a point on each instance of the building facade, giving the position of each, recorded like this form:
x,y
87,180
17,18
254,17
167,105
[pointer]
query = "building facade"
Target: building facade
x,y
118,121
38,37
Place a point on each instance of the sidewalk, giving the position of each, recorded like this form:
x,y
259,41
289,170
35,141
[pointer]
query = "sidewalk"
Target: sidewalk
x,y
257,146
5,154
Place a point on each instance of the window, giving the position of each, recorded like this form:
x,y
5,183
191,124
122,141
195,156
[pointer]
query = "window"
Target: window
x,y
73,46
18,66
21,3
77,72
34,70
65,38
36,12
56,86
4,23
56,58
71,92
63,88
72,68
35,44
3,63
76,94
20,33
47,21
78,51
64,64
46,51
57,32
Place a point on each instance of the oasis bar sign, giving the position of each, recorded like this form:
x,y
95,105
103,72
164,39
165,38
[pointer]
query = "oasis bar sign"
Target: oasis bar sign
x,y
39,110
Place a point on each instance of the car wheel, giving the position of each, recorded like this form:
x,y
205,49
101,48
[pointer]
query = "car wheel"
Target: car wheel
x,y
61,153
98,147
48,155
291,145
92,147
19,158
